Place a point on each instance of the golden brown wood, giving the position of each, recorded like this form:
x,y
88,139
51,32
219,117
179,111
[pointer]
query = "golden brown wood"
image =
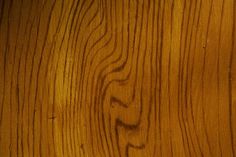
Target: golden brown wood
x,y
118,78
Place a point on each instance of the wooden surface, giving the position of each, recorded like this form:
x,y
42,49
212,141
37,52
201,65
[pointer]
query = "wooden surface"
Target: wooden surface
x,y
117,78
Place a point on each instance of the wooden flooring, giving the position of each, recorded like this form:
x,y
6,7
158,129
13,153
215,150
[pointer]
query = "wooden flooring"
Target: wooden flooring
x,y
117,78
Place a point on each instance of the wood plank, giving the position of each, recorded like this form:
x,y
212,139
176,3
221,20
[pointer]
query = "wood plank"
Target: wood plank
x,y
117,78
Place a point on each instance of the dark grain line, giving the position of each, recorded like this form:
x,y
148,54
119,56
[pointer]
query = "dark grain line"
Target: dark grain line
x,y
230,80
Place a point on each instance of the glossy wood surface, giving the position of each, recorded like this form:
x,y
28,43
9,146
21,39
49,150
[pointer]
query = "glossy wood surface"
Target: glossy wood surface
x,y
117,78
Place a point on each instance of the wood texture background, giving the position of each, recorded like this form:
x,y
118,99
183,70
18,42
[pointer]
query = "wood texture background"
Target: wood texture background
x,y
117,78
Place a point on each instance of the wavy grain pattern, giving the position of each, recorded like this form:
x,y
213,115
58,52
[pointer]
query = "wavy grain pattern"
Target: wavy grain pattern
x,y
118,78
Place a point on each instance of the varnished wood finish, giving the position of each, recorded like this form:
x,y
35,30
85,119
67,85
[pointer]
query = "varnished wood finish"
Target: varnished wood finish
x,y
118,78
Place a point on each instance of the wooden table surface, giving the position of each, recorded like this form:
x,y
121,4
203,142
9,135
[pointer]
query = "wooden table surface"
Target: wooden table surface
x,y
117,78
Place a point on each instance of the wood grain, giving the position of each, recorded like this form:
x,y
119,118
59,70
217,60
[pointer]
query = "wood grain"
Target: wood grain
x,y
118,78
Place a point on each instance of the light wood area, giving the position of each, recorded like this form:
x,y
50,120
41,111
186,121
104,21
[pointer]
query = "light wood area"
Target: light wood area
x,y
117,78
